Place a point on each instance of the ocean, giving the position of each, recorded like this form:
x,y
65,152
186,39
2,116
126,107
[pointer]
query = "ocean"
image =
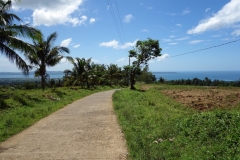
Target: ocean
x,y
53,74
220,75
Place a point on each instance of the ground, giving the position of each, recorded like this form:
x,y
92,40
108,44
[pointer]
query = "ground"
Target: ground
x,y
206,98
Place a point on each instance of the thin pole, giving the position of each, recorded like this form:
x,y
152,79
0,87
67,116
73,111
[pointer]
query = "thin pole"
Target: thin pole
x,y
129,82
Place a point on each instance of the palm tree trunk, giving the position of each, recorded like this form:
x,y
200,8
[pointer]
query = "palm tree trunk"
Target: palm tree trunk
x,y
87,81
132,76
43,82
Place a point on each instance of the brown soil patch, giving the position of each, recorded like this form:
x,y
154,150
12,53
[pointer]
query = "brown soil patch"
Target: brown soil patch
x,y
206,98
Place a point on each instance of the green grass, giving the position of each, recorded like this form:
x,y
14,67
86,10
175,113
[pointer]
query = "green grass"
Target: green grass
x,y
157,127
19,109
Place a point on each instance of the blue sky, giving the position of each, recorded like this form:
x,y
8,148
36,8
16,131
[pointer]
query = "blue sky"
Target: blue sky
x,y
87,28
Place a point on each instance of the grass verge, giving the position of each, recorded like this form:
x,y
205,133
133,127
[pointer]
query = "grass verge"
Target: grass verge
x,y
157,127
19,109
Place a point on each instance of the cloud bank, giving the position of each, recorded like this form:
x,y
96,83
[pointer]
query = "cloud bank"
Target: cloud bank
x,y
115,44
66,42
163,57
227,17
128,18
48,13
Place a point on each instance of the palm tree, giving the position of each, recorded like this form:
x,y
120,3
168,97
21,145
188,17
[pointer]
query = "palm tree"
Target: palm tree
x,y
112,70
98,72
45,55
10,34
80,71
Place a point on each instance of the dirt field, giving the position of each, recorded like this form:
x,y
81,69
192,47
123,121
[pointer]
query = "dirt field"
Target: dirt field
x,y
206,98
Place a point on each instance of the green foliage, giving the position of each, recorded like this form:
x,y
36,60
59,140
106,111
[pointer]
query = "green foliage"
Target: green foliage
x,y
10,33
199,82
143,52
215,135
146,76
44,55
156,127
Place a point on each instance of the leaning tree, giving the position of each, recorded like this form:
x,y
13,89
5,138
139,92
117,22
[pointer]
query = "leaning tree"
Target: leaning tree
x,y
143,52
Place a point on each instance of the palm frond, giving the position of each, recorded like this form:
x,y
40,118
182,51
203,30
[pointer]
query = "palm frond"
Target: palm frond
x,y
14,58
20,45
26,31
51,39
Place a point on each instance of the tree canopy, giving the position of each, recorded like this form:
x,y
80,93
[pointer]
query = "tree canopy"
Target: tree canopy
x,y
143,52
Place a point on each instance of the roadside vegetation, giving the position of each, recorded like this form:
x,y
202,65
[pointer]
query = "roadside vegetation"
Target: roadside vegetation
x,y
158,123
20,108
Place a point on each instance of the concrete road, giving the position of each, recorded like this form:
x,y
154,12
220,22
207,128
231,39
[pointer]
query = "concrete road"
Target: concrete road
x,y
85,129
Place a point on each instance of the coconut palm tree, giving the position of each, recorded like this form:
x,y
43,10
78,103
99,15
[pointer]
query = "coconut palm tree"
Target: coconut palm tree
x,y
10,35
80,72
46,55
113,73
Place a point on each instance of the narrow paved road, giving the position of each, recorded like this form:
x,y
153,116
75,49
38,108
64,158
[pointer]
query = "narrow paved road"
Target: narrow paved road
x,y
85,129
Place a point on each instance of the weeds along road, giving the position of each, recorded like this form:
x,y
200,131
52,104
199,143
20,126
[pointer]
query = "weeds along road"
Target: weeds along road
x,y
85,129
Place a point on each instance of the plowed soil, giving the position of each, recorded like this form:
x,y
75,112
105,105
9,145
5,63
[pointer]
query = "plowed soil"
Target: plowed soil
x,y
206,98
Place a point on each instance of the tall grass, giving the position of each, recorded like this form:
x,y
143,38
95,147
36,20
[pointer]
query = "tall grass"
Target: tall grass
x,y
156,127
19,109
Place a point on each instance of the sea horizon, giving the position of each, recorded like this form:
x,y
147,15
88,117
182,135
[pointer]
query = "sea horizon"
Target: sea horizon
x,y
167,75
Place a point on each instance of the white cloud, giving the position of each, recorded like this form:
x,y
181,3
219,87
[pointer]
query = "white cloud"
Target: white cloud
x,y
76,46
27,20
186,11
115,44
226,39
128,18
178,25
172,43
128,44
228,16
92,20
149,8
236,32
95,60
182,39
172,36
66,42
207,9
145,30
121,59
163,57
166,40
217,35
125,60
64,61
47,12
195,41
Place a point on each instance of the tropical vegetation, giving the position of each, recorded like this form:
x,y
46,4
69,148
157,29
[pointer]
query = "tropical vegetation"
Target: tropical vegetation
x,y
10,34
45,54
